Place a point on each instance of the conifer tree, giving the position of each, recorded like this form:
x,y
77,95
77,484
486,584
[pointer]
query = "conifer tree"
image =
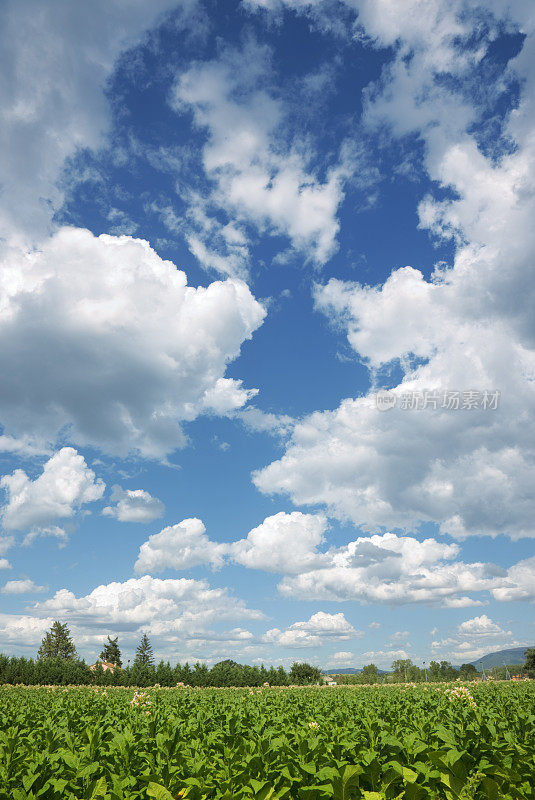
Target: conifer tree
x,y
57,643
144,655
529,666
111,652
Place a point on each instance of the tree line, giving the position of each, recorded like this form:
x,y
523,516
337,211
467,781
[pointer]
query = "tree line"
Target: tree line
x,y
404,671
57,663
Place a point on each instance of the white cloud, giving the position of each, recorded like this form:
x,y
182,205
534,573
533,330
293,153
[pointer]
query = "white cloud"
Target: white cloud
x,y
4,563
256,176
314,632
179,546
165,607
52,100
5,543
260,421
23,630
65,485
133,505
520,583
391,569
343,656
469,327
480,626
285,543
472,639
282,543
135,350
24,586
382,568
399,636
384,658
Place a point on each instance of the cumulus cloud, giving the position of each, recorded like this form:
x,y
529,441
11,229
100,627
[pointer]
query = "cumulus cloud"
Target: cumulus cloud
x,y
480,626
343,656
520,583
472,639
390,569
23,586
4,563
384,658
52,101
164,607
256,176
135,351
65,485
469,327
283,542
393,569
314,632
23,630
180,546
133,505
382,568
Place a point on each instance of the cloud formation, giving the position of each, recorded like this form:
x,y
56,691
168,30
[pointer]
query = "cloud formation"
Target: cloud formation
x,y
468,327
52,100
65,485
179,547
23,586
161,606
133,505
321,627
256,176
472,639
107,343
383,568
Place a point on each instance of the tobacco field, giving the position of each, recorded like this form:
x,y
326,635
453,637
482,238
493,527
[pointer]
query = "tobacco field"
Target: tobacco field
x,y
369,742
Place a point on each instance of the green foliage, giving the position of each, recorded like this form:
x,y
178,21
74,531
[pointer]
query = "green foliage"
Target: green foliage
x,y
57,643
404,670
370,673
442,671
311,743
529,666
468,672
144,655
302,673
111,652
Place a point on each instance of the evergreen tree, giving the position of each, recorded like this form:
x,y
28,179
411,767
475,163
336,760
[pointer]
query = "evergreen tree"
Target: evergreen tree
x,y
529,666
164,674
144,655
186,674
200,675
282,677
111,652
57,643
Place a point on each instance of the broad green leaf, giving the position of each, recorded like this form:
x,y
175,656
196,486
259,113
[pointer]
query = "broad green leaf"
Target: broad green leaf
x,y
159,792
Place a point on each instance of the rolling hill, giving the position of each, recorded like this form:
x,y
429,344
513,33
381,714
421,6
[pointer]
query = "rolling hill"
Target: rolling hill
x,y
515,655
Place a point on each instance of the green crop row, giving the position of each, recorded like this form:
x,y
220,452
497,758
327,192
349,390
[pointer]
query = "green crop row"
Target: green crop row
x,y
476,743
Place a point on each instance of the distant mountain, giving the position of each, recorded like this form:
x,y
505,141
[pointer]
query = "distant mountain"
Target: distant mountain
x,y
347,671
515,655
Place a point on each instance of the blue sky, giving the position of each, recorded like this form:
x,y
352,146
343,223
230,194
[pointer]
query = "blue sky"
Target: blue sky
x,y
224,228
